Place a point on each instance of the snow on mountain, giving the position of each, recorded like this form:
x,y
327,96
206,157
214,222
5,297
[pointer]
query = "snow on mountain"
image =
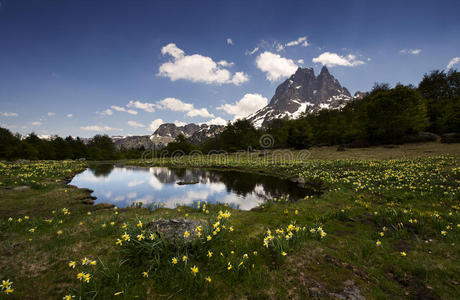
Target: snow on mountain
x,y
303,92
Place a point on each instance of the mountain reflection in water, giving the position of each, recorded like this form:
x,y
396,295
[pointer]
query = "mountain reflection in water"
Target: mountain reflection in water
x,y
124,186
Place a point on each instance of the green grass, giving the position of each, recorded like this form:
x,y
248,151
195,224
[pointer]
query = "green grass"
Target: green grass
x,y
413,201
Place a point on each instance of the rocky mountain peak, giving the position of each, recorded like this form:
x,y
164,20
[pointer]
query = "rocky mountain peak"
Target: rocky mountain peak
x,y
302,92
324,72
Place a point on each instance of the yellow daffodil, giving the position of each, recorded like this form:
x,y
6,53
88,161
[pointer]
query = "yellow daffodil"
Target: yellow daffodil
x,y
126,237
6,284
194,270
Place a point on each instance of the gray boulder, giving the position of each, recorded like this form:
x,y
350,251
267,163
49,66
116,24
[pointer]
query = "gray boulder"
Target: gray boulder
x,y
173,229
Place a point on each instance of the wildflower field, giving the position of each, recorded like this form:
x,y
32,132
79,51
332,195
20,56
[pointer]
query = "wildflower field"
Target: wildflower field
x,y
375,228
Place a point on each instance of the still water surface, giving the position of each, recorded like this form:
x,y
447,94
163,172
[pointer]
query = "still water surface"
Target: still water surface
x,y
124,186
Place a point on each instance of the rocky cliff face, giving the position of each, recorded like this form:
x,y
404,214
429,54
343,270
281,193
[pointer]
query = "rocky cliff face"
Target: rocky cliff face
x,y
303,92
196,134
132,142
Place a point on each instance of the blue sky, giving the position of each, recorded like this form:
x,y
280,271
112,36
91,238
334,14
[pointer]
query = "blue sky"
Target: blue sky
x,y
72,67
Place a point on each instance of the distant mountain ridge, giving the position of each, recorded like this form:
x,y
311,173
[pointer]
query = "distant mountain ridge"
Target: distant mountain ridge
x,y
302,92
195,133
132,142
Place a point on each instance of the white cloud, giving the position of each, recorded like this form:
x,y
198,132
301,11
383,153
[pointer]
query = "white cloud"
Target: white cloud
x,y
229,41
50,114
252,51
36,123
275,66
174,104
154,182
279,47
300,41
250,103
333,59
148,107
216,121
172,50
202,112
11,127
107,112
452,62
239,78
99,128
411,51
177,105
300,61
69,115
119,108
135,124
225,63
135,183
155,124
195,67
179,123
8,114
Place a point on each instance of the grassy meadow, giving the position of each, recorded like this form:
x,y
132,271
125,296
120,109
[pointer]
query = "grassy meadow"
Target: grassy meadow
x,y
383,223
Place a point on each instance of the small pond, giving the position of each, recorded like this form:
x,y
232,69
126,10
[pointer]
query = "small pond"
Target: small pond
x,y
124,186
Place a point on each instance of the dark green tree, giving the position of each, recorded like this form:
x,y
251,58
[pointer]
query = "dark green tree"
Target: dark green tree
x,y
179,145
394,113
7,141
299,134
101,147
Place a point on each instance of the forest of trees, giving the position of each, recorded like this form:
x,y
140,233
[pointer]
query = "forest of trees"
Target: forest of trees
x,y
384,116
101,147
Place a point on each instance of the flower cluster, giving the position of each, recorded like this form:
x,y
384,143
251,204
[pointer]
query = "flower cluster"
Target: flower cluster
x,y
7,287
